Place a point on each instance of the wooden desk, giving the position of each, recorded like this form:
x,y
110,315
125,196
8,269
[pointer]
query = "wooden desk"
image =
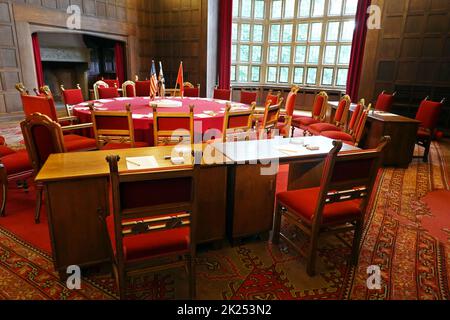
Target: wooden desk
x,y
402,130
77,193
251,194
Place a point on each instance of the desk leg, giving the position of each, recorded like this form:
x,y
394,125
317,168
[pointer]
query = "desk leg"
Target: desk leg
x,y
251,198
305,174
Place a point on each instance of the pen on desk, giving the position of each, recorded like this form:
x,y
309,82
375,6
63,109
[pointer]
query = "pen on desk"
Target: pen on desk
x,y
136,164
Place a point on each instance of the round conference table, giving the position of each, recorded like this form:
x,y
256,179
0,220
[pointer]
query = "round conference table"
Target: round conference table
x,y
209,112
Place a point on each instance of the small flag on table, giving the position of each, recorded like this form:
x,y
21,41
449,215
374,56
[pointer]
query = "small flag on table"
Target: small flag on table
x,y
153,81
180,80
161,81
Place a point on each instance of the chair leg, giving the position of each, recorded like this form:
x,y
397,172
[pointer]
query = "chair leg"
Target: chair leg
x,y
427,146
292,131
311,263
121,283
356,242
192,277
37,216
277,225
4,190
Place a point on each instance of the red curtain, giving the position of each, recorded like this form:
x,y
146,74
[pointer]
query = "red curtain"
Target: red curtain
x,y
37,60
357,54
120,61
224,42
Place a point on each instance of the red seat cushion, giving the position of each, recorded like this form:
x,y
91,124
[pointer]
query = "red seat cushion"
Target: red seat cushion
x,y
4,151
191,92
338,135
384,102
117,145
304,121
152,244
142,88
73,96
107,93
17,162
74,142
303,202
222,94
317,128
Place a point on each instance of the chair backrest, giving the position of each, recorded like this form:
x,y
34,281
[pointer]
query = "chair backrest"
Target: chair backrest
x,y
290,101
248,97
190,90
113,126
152,201
142,88
71,97
320,106
112,82
361,124
97,85
274,98
348,176
171,128
129,89
385,101
341,115
237,122
42,104
222,94
108,93
42,137
21,88
271,115
428,114
355,116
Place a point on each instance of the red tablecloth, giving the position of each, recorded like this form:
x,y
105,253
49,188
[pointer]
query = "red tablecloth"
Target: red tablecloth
x,y
143,114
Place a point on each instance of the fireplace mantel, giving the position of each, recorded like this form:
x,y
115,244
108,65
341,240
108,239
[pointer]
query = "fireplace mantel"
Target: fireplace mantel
x,y
65,55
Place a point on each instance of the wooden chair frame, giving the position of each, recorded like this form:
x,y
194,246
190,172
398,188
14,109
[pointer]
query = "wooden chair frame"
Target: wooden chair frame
x,y
150,219
278,94
332,192
104,136
58,146
96,86
125,85
267,124
361,124
165,136
217,88
21,88
231,114
69,108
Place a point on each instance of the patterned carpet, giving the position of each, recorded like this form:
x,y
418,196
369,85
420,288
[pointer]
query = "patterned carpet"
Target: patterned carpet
x,y
407,234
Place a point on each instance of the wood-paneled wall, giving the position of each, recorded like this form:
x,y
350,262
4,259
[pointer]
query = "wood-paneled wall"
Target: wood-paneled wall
x,y
409,54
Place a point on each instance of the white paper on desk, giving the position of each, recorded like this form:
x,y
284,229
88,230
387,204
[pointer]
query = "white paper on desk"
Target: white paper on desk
x,y
289,149
140,163
386,114
142,116
83,104
105,100
123,98
168,103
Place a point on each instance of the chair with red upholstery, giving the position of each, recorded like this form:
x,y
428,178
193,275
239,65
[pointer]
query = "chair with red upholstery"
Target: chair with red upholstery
x,y
428,115
112,82
385,102
114,129
154,221
14,166
222,94
129,89
103,91
43,137
270,119
71,97
284,126
339,205
318,114
248,97
171,128
45,104
21,88
142,88
274,98
339,122
190,90
237,124
356,127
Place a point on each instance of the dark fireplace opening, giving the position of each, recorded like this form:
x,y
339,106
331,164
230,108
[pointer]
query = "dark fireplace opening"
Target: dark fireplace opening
x,y
68,74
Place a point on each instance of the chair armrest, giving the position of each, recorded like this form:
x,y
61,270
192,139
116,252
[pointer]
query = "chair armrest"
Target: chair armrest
x,y
77,126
